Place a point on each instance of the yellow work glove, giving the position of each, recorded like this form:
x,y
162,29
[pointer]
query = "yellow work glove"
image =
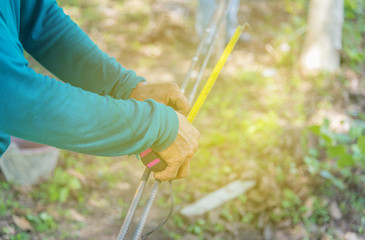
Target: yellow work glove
x,y
179,153
166,93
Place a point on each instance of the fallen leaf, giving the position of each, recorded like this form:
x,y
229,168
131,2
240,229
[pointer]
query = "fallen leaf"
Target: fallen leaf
x,y
7,230
309,206
123,186
335,211
22,223
76,216
78,175
19,212
351,236
281,235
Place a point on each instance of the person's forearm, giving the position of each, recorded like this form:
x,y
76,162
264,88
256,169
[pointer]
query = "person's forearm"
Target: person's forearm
x,y
40,109
47,111
64,49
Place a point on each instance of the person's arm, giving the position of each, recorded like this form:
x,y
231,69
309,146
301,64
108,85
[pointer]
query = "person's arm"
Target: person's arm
x,y
37,108
54,40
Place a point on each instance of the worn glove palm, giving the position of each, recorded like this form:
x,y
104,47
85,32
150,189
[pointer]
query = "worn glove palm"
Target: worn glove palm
x,y
166,93
179,153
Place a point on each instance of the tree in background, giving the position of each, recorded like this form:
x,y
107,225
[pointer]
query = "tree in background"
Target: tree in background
x,y
323,41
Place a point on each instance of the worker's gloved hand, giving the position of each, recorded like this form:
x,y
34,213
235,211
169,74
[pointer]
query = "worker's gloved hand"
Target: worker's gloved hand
x,y
178,155
166,93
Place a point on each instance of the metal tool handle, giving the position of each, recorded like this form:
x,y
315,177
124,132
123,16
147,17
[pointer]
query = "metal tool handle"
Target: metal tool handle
x,y
133,206
138,231
153,161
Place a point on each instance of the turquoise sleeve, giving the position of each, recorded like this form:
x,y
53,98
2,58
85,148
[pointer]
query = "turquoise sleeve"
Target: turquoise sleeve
x,y
55,41
82,115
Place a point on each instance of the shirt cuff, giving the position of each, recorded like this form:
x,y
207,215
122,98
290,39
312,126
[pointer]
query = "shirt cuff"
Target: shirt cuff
x,y
124,88
170,124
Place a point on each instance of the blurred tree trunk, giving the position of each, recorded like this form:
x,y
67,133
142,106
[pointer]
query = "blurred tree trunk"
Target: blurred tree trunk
x,y
323,42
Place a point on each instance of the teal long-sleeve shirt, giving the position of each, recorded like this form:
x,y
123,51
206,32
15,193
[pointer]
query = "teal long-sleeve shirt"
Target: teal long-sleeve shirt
x,y
89,112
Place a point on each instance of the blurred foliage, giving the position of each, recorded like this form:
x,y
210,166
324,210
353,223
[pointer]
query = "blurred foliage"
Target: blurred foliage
x,y
347,148
8,203
42,222
7,199
354,34
85,12
254,125
20,236
60,187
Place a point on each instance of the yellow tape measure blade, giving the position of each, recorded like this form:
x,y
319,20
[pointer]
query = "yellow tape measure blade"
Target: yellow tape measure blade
x,y
215,73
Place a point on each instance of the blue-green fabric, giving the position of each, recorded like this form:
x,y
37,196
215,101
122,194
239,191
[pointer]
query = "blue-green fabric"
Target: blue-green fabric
x,y
89,112
4,142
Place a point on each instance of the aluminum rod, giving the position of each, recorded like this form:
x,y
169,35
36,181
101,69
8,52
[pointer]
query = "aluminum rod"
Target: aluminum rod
x,y
134,204
137,233
209,53
195,109
195,59
205,41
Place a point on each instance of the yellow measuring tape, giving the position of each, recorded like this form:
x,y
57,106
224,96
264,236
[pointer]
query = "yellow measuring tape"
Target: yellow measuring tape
x,y
214,75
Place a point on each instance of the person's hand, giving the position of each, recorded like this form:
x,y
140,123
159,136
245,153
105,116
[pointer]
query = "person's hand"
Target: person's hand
x,y
178,155
166,93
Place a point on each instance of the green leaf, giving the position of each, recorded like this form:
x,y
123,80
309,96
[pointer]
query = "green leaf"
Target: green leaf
x,y
45,216
326,123
31,217
337,182
74,184
356,152
336,151
63,194
313,152
355,132
345,160
20,236
312,164
53,193
195,229
316,129
361,144
327,136
342,138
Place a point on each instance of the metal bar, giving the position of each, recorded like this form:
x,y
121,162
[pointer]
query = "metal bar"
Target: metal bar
x,y
132,208
137,233
195,109
203,42
207,56
195,59
146,235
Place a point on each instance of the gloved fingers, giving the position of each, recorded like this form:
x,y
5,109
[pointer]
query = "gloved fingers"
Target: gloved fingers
x,y
180,151
165,93
169,173
178,101
183,170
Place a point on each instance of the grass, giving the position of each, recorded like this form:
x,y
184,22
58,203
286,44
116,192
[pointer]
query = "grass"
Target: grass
x,y
253,126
